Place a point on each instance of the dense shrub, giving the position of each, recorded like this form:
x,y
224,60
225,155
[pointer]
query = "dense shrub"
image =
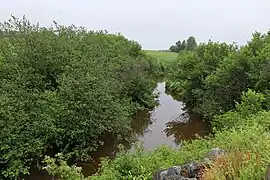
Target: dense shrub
x,y
188,75
251,104
61,88
211,78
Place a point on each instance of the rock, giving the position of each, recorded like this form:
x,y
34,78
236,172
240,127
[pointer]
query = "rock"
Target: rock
x,y
191,170
172,173
188,171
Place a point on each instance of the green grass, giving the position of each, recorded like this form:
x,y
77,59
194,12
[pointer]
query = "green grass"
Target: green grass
x,y
167,56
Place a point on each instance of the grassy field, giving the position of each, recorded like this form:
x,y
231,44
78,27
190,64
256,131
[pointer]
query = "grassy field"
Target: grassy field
x,y
168,56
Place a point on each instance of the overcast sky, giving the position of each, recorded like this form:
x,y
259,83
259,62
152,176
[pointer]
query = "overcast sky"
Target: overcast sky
x,y
156,24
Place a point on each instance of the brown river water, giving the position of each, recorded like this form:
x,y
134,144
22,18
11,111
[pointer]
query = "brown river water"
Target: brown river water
x,y
162,126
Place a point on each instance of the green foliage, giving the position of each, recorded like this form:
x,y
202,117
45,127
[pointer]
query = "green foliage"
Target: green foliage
x,y
251,104
59,168
61,88
236,165
213,76
230,86
188,74
191,44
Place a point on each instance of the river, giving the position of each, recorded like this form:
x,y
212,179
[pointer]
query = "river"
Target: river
x,y
164,125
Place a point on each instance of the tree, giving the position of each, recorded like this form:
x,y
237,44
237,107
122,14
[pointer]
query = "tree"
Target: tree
x,y
173,48
191,43
183,45
178,45
212,76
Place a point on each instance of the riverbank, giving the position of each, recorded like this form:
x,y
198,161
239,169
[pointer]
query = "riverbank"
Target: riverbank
x,y
161,126
247,147
247,155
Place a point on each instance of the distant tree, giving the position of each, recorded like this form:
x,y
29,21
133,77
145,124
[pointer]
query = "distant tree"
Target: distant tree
x,y
183,45
191,43
178,45
173,48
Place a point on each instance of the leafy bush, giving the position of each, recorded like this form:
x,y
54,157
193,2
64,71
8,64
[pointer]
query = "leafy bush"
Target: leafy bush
x,y
59,167
251,104
188,75
212,77
61,88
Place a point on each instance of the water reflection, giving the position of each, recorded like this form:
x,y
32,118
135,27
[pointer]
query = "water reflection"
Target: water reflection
x,y
141,123
186,129
168,109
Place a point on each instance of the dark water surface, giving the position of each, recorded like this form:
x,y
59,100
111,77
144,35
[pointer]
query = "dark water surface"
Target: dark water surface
x,y
163,125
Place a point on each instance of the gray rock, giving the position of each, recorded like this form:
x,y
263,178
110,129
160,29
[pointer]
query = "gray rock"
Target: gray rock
x,y
191,170
172,173
186,172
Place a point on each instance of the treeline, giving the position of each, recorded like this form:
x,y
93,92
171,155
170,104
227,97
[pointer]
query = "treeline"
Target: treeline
x,y
61,88
189,45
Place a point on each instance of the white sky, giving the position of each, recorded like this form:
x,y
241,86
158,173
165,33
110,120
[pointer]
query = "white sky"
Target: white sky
x,y
156,24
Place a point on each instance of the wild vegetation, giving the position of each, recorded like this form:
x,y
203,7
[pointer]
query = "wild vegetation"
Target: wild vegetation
x,y
246,143
211,78
62,88
230,86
